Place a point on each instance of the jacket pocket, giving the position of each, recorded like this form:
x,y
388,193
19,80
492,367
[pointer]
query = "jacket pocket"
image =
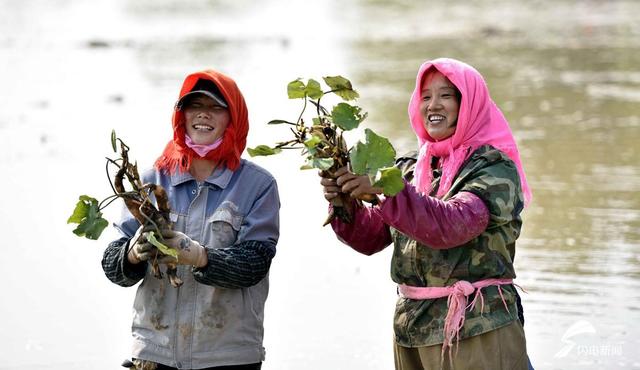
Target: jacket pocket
x,y
223,225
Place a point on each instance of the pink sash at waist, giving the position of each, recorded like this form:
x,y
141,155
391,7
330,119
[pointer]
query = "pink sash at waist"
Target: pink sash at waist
x,y
456,301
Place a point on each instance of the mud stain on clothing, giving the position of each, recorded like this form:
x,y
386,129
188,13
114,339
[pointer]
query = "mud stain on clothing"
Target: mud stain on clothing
x,y
185,331
157,311
215,317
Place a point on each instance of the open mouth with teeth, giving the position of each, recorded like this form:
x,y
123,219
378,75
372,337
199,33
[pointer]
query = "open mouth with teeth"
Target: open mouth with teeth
x,y
202,127
435,118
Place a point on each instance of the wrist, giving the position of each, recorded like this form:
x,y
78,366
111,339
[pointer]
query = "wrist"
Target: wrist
x,y
131,257
202,259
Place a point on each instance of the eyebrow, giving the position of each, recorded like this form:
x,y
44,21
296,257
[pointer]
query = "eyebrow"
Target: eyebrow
x,y
441,88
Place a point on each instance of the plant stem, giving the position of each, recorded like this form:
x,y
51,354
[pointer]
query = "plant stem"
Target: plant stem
x,y
147,217
293,147
109,160
303,109
318,106
112,198
100,208
284,144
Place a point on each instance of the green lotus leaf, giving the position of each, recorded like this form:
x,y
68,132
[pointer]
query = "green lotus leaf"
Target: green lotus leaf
x,y
313,142
319,163
376,153
113,141
313,89
151,237
279,122
390,180
341,87
296,89
347,116
88,217
263,150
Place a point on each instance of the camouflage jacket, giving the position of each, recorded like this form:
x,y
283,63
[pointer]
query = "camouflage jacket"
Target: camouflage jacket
x,y
493,177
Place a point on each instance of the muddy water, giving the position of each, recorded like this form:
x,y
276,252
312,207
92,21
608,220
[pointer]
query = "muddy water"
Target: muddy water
x,y
565,74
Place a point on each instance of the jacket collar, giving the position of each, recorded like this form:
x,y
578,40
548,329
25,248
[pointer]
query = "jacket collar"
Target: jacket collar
x,y
220,177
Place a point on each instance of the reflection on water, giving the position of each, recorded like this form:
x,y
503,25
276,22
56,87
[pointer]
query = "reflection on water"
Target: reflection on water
x,y
566,75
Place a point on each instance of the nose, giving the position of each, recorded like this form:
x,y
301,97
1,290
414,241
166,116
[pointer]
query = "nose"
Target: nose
x,y
204,113
434,104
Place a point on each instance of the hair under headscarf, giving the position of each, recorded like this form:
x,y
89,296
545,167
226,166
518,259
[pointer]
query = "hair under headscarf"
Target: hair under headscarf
x,y
177,156
480,122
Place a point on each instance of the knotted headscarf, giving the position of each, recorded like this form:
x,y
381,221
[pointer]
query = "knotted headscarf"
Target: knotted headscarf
x,y
480,122
177,156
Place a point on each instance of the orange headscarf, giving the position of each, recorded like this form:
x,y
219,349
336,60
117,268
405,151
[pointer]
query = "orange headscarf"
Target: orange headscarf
x,y
178,156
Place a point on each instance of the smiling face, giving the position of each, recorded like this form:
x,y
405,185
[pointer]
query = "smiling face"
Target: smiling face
x,y
439,105
205,119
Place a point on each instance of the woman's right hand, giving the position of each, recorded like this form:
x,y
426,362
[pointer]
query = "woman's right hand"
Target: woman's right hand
x,y
345,181
140,248
330,188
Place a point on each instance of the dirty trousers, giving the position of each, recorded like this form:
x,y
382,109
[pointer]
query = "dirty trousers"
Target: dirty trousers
x,y
501,349
231,367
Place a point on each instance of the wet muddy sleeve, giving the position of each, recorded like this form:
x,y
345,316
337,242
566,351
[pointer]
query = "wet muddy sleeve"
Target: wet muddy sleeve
x,y
116,266
367,234
433,222
240,266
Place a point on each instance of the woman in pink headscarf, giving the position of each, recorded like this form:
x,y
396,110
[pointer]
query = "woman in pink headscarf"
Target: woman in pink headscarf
x,y
454,227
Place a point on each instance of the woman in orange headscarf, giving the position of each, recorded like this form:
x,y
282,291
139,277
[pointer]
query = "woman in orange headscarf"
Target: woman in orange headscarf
x,y
224,212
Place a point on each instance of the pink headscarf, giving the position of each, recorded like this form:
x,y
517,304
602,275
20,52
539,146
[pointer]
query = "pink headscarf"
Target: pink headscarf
x,y
480,122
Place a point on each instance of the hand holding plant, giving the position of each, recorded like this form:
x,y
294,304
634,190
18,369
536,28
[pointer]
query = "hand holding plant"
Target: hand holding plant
x,y
153,216
323,145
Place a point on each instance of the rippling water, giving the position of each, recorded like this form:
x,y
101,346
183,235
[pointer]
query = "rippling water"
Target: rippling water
x,y
565,73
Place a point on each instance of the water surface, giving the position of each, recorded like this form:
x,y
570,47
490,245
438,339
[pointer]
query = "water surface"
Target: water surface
x,y
565,73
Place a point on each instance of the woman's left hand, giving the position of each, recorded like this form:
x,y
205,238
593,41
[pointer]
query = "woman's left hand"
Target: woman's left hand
x,y
190,252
